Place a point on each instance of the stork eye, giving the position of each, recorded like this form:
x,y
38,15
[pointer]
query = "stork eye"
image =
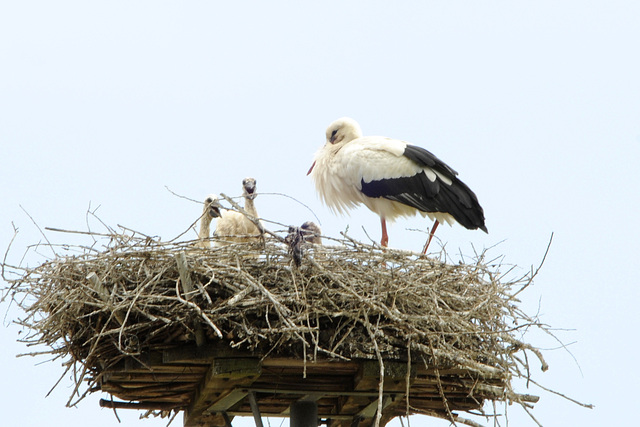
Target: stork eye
x,y
333,135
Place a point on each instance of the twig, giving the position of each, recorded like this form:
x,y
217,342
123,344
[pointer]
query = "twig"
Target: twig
x,y
295,200
200,313
40,230
584,405
537,270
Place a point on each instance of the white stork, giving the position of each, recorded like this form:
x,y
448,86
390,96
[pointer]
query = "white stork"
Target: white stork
x,y
210,210
311,232
236,227
392,178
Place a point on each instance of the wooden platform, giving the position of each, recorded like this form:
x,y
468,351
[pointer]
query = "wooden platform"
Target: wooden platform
x,y
214,382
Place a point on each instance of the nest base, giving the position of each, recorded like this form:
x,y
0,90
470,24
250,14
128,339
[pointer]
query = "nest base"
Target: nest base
x,y
212,381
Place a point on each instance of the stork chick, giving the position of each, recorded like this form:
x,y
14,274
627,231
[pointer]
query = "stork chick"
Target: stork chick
x,y
308,232
234,226
311,232
210,210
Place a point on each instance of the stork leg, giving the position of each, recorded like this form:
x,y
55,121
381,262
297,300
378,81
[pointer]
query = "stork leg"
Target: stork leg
x,y
433,230
385,236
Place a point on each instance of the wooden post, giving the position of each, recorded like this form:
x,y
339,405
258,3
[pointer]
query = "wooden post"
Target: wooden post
x,y
304,413
185,277
189,290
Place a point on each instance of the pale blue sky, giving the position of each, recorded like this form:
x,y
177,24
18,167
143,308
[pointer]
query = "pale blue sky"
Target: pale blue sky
x,y
535,103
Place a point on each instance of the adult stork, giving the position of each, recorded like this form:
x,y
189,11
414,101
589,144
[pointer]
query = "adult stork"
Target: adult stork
x,y
392,178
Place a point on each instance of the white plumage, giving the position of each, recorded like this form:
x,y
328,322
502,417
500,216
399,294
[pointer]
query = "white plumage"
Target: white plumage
x,y
392,178
210,210
233,226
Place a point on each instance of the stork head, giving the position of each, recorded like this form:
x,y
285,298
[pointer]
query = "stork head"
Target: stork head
x,y
339,133
343,130
311,232
249,188
212,206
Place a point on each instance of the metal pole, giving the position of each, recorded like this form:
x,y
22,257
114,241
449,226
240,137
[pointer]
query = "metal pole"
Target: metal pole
x,y
304,413
255,409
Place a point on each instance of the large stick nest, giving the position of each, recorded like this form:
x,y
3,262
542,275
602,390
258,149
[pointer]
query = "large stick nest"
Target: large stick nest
x,y
349,300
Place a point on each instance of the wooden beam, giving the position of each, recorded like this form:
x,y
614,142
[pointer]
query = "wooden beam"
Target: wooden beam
x,y
223,404
192,354
367,379
266,414
219,387
306,392
143,362
151,406
356,421
369,411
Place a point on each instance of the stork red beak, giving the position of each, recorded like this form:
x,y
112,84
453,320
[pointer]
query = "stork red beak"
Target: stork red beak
x,y
311,168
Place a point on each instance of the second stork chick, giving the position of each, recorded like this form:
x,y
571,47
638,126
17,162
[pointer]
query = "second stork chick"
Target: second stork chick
x,y
311,232
210,210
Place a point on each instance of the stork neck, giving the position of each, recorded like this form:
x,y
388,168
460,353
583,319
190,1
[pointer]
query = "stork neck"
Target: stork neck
x,y
205,226
250,207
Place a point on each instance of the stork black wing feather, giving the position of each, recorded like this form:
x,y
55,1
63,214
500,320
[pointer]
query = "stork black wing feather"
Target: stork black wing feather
x,y
431,196
427,158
